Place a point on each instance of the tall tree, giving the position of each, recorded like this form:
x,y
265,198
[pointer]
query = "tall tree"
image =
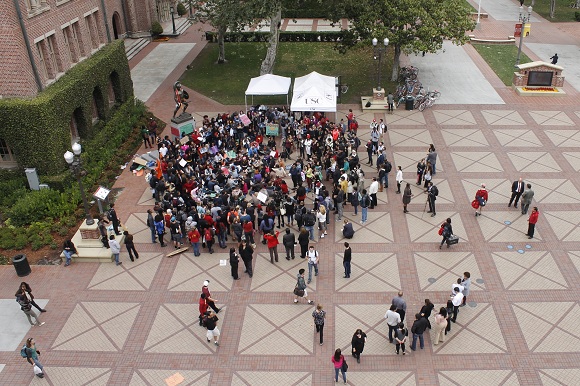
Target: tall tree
x,y
224,15
412,26
267,66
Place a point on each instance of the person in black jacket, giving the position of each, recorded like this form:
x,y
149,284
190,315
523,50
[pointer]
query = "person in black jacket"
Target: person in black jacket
x,y
289,240
347,229
234,259
426,311
346,260
246,252
419,327
303,240
358,343
112,215
447,231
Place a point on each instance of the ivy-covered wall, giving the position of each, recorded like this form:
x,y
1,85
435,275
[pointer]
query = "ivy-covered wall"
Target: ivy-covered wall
x,y
38,130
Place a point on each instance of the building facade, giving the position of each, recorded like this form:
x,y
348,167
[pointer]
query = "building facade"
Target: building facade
x,y
43,39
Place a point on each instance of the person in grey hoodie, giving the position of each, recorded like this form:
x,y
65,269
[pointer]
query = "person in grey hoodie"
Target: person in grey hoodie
x,y
115,249
301,286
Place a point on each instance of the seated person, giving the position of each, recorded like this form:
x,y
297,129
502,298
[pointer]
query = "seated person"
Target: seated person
x,y
347,229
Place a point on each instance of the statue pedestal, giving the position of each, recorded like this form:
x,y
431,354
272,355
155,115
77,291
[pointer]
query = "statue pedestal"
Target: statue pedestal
x,y
377,102
87,240
182,124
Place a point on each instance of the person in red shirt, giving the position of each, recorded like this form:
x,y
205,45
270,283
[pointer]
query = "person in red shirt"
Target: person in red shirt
x,y
481,197
532,222
202,307
194,238
272,239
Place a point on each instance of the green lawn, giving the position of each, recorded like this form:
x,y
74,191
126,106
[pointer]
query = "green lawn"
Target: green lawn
x,y
563,10
227,83
501,58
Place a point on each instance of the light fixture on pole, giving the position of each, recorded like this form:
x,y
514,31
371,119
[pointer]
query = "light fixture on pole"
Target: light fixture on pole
x,y
74,162
378,53
524,19
172,11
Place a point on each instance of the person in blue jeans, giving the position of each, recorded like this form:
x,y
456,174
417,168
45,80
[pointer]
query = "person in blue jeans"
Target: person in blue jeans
x,y
115,249
364,205
32,355
312,255
419,327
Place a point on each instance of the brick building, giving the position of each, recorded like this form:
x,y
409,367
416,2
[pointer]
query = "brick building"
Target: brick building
x,y
42,39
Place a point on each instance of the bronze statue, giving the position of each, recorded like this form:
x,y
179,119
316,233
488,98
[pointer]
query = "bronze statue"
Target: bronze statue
x,y
180,96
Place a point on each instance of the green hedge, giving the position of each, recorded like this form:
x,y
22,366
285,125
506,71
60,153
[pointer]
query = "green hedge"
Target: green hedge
x,y
285,36
38,129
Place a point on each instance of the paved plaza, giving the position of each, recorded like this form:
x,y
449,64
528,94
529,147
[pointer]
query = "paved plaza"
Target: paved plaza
x,y
136,324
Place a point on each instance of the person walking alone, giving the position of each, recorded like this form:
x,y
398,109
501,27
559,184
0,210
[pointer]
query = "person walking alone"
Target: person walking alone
x,y
447,231
319,314
301,287
399,179
358,344
32,356
313,259
130,245
338,361
481,197
532,220
347,257
407,195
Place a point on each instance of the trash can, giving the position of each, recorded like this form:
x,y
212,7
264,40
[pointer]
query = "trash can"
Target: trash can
x,y
409,102
20,263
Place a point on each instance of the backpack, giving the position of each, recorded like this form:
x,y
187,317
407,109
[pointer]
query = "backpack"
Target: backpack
x,y
366,200
24,352
109,215
208,236
309,220
388,166
435,191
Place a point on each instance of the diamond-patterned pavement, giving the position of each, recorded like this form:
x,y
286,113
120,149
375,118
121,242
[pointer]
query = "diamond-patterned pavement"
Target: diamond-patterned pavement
x,y
137,324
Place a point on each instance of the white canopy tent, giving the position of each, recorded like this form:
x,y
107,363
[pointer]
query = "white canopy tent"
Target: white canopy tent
x,y
268,84
314,92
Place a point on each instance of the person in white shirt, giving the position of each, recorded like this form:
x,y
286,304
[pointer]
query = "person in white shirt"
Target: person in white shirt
x,y
457,285
466,284
313,259
393,321
373,189
399,179
457,300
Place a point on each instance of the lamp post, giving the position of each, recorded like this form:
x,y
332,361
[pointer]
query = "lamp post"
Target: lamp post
x,y
190,11
524,19
172,10
378,52
478,12
74,162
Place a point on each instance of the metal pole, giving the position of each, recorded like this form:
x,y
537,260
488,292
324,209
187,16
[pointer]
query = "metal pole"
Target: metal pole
x,y
380,57
173,22
76,169
520,46
478,11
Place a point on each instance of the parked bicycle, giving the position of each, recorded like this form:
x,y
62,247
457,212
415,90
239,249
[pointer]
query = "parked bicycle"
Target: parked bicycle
x,y
429,100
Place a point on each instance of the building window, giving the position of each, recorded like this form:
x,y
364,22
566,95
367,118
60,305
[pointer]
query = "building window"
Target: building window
x,y
6,155
53,55
77,39
92,32
42,64
71,43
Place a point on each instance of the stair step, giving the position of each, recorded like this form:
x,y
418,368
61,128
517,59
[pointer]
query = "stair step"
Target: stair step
x,y
135,48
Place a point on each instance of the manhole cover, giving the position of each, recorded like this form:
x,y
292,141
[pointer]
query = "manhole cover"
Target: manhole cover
x,y
510,247
479,281
521,251
528,246
431,280
472,304
507,222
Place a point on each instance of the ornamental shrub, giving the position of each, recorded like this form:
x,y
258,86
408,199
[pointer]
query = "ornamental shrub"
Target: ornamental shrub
x,y
34,206
156,29
181,9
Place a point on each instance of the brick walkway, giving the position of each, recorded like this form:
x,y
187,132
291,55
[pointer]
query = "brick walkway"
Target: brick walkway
x,y
136,324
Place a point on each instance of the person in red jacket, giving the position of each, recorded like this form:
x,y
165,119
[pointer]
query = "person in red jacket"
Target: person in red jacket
x,y
481,197
532,222
202,307
272,239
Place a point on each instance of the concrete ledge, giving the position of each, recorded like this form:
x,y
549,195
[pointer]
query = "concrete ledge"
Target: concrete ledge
x,y
521,92
509,40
